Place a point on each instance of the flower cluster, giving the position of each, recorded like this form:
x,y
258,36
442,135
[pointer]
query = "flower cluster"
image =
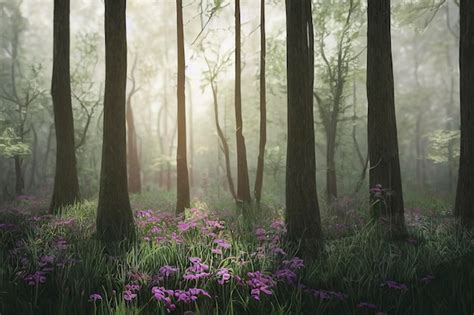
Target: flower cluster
x,y
197,270
259,283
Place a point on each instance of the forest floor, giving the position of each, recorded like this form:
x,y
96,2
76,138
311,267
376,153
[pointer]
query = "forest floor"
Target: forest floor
x,y
212,263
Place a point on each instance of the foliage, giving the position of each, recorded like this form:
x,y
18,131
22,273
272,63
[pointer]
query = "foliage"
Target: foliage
x,y
214,265
11,145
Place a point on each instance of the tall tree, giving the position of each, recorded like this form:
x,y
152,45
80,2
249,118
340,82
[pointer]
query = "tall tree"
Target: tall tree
x,y
464,208
384,174
134,176
182,180
114,214
66,184
263,107
302,207
243,186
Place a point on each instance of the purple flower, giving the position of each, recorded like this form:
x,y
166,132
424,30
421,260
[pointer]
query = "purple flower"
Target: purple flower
x,y
184,226
224,276
176,238
222,243
395,285
286,275
216,251
197,270
46,260
94,297
367,306
163,295
260,233
294,263
129,296
259,283
278,250
155,230
35,278
215,224
167,271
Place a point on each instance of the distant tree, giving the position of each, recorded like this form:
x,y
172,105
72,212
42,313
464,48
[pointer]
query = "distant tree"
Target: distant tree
x,y
66,183
243,186
302,208
211,76
134,176
339,23
263,107
114,214
384,174
182,180
464,208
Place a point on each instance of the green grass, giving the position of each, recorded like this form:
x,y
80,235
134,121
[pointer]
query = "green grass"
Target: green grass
x,y
355,261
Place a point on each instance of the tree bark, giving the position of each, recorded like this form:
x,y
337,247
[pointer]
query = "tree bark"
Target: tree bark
x,y
302,208
114,215
263,107
134,176
243,186
464,208
66,183
182,181
382,127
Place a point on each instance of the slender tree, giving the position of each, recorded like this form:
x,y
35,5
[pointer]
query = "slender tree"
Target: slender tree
x,y
66,184
384,174
114,214
134,176
302,208
182,180
243,186
263,107
464,208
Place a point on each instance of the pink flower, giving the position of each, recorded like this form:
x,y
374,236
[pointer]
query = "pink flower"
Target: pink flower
x,y
224,276
222,243
94,297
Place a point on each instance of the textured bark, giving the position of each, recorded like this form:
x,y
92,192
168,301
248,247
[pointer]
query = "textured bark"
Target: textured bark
x,y
134,176
263,107
382,127
66,183
464,208
114,215
243,186
302,208
182,180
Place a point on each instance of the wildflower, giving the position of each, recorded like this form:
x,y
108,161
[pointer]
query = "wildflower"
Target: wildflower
x,y
215,224
46,260
294,263
155,230
395,285
197,270
167,271
259,283
278,250
224,276
367,306
35,278
146,238
286,275
216,251
94,297
260,233
176,238
222,243
129,296
163,295
183,226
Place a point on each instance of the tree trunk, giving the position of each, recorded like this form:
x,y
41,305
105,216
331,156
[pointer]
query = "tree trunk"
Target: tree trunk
x,y
263,107
464,209
114,214
243,186
19,179
331,181
182,180
224,144
382,127
66,183
134,176
302,208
